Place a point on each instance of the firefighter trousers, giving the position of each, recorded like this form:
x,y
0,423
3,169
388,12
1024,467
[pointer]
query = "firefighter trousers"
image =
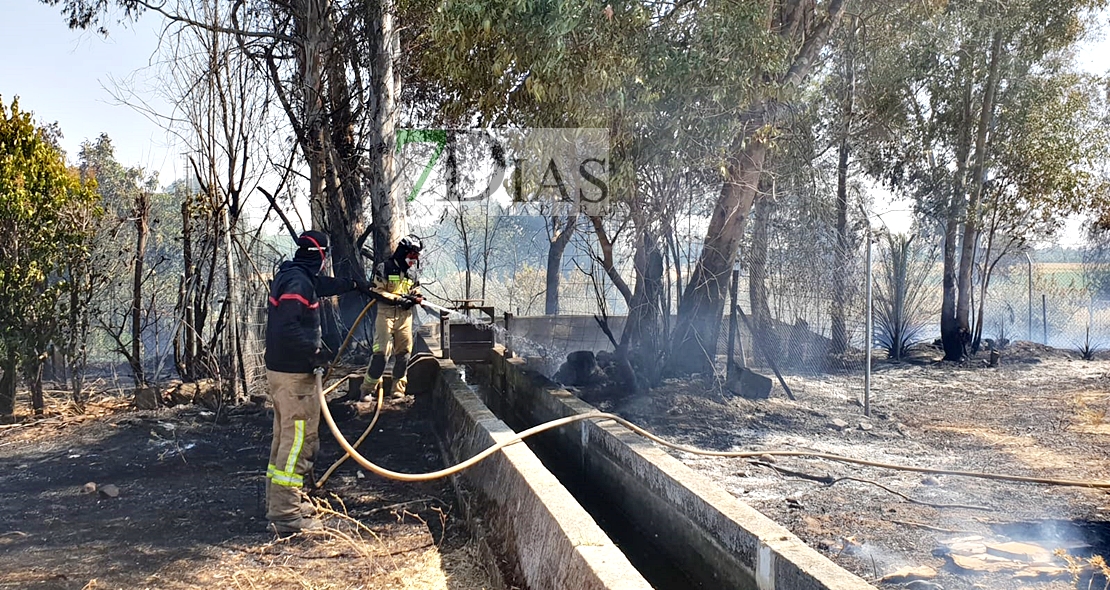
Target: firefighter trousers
x,y
392,335
296,440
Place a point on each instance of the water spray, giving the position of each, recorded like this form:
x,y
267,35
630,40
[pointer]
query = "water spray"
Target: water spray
x,y
433,308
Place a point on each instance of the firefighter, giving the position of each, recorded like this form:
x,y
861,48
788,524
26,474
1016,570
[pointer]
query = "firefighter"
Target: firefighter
x,y
293,350
397,288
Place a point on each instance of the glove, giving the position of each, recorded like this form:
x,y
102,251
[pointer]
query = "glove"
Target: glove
x,y
407,301
321,357
362,286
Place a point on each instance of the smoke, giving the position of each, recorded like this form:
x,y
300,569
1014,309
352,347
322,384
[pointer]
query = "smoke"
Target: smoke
x,y
881,560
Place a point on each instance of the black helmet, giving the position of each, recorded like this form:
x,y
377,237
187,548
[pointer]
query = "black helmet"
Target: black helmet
x,y
409,243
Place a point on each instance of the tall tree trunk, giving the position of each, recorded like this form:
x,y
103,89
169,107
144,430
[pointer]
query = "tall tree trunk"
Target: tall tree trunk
x,y
702,306
971,219
313,26
8,381
188,360
142,232
700,313
952,336
388,212
345,196
79,273
762,323
555,250
232,337
843,245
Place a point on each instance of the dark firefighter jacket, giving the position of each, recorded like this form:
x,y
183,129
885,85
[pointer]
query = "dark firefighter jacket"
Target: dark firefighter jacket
x,y
293,318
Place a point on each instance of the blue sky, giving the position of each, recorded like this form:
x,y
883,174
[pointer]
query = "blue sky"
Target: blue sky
x,y
65,76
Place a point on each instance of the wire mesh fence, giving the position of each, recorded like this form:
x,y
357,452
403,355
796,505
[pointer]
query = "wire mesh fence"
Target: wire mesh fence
x,y
811,317
1055,304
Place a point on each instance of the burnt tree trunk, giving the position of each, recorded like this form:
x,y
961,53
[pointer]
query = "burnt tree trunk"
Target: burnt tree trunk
x,y
233,344
558,246
388,214
8,381
971,217
702,307
142,233
38,404
642,340
952,336
345,195
185,347
699,316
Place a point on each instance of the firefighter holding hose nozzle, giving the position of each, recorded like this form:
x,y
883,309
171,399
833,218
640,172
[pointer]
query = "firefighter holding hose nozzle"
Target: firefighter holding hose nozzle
x,y
396,286
293,350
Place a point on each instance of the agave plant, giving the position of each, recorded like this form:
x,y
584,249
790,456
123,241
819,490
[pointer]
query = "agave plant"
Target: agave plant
x,y
900,296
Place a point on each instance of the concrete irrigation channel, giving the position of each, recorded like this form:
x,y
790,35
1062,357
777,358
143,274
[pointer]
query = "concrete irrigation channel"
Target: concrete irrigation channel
x,y
591,505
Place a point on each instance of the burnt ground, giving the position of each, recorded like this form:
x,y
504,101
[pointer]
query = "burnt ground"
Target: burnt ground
x,y
189,510
1041,413
190,506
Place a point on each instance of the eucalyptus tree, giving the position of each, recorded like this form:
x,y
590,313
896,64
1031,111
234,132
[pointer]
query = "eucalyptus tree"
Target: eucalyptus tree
x,y
787,40
952,93
1047,162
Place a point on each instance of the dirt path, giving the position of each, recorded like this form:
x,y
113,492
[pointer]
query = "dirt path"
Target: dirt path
x,y
189,511
1039,418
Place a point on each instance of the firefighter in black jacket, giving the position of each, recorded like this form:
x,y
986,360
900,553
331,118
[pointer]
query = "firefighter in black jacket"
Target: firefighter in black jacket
x,y
397,287
293,350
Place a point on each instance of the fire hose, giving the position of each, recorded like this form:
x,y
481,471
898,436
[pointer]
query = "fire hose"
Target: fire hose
x,y
384,472
431,307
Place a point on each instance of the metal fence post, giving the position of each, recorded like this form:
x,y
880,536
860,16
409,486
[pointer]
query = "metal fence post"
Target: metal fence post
x,y
732,325
1030,324
869,331
1044,317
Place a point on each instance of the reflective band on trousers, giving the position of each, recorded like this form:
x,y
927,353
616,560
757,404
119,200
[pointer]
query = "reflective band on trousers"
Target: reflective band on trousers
x,y
289,476
282,478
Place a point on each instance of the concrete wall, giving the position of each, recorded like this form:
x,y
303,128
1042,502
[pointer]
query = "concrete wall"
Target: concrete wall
x,y
716,540
537,531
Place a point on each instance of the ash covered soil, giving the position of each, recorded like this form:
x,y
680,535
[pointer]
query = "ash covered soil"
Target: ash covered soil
x,y
1041,413
179,504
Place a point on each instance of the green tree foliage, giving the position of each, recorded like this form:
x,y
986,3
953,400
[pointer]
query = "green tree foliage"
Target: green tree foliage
x,y
37,197
988,127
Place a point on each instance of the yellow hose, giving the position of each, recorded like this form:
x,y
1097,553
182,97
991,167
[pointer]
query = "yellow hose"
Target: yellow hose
x,y
350,334
323,402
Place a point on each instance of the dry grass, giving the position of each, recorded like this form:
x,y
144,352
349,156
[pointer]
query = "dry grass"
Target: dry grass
x,y
1087,569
